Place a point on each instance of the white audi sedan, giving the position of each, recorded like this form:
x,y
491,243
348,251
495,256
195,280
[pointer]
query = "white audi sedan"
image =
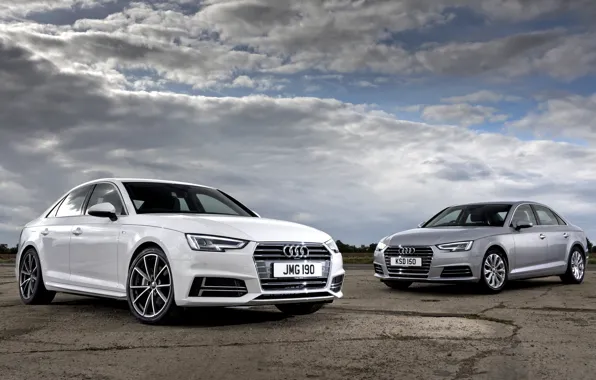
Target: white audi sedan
x,y
164,245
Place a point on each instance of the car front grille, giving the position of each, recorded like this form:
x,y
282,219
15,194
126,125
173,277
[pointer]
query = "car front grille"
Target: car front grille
x,y
456,271
424,252
268,253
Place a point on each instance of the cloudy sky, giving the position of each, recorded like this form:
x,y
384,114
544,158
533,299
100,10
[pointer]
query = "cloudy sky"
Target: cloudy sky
x,y
361,118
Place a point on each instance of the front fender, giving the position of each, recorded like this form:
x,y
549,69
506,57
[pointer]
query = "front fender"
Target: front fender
x,y
133,237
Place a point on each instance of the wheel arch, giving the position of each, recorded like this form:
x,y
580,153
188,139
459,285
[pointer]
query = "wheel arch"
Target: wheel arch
x,y
500,248
141,246
579,247
26,246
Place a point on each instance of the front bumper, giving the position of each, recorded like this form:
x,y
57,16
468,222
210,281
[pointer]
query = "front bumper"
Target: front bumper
x,y
244,277
437,265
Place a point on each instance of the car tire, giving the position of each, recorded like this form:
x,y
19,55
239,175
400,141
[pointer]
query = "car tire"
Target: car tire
x,y
300,308
148,284
32,290
398,285
494,271
576,267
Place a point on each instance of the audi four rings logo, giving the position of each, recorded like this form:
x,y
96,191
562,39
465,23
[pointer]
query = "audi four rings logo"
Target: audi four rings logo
x,y
296,251
406,250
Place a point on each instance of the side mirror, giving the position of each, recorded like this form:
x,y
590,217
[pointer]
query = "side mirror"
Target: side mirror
x,y
519,224
103,210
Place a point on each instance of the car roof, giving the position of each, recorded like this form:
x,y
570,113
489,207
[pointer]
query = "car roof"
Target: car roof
x,y
512,203
121,179
152,180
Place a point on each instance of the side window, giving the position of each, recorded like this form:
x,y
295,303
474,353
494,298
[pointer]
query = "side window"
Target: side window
x,y
524,212
560,220
213,206
73,203
546,216
106,192
52,214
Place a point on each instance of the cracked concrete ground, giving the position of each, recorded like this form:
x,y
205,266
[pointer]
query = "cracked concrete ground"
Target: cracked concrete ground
x,y
537,329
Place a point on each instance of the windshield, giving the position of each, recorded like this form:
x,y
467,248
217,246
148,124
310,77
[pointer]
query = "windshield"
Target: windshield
x,y
166,198
492,215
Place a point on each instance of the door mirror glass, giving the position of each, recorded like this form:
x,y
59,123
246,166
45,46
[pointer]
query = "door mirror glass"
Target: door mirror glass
x,y
519,224
103,210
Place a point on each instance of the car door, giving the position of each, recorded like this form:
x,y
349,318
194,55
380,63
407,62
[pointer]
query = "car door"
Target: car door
x,y
94,243
56,233
556,235
531,246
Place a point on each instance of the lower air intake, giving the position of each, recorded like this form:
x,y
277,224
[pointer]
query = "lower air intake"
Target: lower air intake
x,y
336,283
378,269
217,287
456,271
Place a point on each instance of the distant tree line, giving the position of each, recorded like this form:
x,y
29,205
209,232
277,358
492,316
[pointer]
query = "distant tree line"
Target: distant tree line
x,y
347,248
4,249
343,248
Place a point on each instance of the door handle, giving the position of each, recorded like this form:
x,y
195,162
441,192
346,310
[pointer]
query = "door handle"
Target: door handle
x,y
541,236
45,232
565,235
77,231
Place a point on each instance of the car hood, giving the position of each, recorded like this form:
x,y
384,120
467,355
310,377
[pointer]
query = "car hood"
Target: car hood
x,y
441,235
247,228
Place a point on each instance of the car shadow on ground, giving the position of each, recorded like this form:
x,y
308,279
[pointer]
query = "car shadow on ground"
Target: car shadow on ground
x,y
474,290
189,317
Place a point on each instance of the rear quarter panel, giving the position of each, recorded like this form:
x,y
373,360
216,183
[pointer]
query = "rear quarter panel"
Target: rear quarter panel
x,y
31,237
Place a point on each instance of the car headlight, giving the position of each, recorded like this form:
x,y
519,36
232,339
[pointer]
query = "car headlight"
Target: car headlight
x,y
332,246
456,246
214,243
381,246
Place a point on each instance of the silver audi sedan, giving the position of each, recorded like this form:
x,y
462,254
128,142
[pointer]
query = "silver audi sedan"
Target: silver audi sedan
x,y
487,244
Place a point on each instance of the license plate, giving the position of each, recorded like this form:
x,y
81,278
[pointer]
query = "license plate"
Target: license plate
x,y
281,270
406,261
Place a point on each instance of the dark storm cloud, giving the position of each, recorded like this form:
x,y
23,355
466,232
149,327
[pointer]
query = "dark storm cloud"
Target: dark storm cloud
x,y
477,58
36,96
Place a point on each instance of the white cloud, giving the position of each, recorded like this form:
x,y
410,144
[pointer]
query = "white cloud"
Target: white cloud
x,y
410,108
25,7
482,96
463,114
355,171
573,116
95,99
364,84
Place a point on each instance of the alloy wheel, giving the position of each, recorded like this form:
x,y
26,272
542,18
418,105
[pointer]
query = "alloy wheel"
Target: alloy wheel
x,y
577,265
150,285
494,271
28,276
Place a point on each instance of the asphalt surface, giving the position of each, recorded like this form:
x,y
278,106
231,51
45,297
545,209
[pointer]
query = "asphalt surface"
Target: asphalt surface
x,y
538,329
